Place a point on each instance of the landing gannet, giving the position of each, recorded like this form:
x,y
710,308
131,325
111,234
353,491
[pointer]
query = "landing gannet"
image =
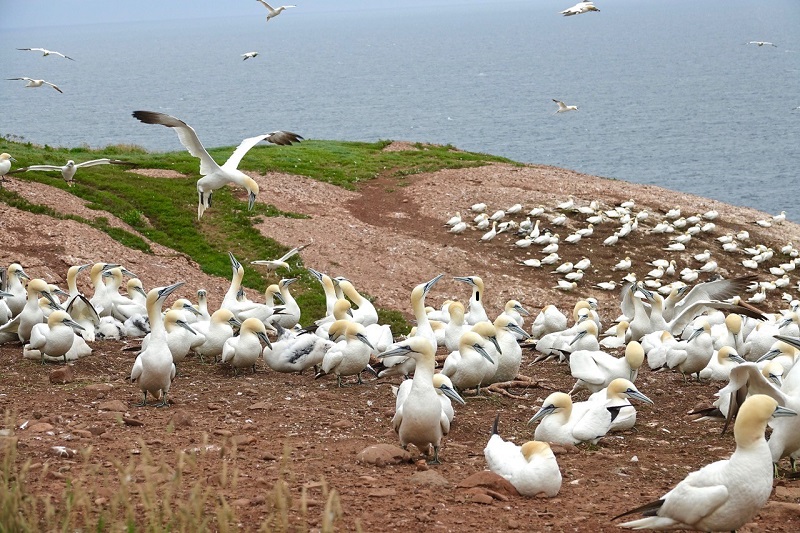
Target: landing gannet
x,y
215,176
274,264
153,368
531,468
421,421
725,495
45,52
563,108
249,55
274,12
37,83
55,337
68,171
244,350
579,8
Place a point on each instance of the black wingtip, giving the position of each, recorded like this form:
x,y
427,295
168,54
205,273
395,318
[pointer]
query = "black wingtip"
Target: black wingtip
x,y
496,423
648,509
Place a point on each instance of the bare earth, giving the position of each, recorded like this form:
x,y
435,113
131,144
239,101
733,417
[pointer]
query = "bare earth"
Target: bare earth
x,y
386,237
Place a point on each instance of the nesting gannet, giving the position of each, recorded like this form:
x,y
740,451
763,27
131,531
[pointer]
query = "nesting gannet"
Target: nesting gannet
x,y
350,356
476,313
616,397
531,468
71,167
594,370
565,286
244,350
249,55
215,176
579,8
216,331
692,355
153,368
725,495
444,390
509,356
549,320
274,264
618,340
421,421
720,365
37,83
565,422
563,108
55,337
21,325
465,366
45,52
456,326
295,353
274,12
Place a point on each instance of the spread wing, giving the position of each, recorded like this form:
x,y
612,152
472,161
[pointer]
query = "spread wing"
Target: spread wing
x,y
716,290
38,167
105,161
244,147
186,135
54,86
689,313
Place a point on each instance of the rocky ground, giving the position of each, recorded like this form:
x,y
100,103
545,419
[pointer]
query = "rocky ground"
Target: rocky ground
x,y
386,237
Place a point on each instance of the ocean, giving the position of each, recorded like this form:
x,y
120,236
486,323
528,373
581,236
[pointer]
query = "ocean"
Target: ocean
x,y
668,92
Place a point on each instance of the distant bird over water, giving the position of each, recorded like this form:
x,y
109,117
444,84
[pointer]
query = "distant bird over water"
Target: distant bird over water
x,y
763,43
563,108
45,52
249,55
274,11
215,176
579,8
37,83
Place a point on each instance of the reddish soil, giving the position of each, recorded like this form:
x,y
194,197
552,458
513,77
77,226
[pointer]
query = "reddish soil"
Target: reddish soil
x,y
387,237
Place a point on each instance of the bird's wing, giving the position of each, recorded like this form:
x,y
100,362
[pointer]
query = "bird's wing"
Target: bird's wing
x,y
244,147
592,423
94,162
23,79
293,251
688,314
39,167
584,367
32,49
62,55
717,290
136,371
80,308
697,496
283,137
54,86
186,134
271,9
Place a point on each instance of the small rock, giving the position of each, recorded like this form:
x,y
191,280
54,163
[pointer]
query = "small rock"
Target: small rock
x,y
113,405
383,454
82,433
562,449
484,499
62,375
266,456
223,432
96,430
787,493
422,465
514,524
100,501
181,418
491,481
241,502
40,427
6,432
259,406
430,477
132,422
342,424
99,387
382,493
242,440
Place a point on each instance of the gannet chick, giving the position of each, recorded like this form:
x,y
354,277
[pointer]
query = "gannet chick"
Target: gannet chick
x,y
54,338
274,12
215,176
216,331
153,368
475,311
725,495
531,468
350,356
594,370
37,83
71,167
421,421
244,350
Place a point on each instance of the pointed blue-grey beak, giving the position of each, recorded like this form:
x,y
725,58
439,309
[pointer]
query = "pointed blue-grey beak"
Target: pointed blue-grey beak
x,y
363,338
191,309
452,394
251,200
464,279
60,292
543,412
288,281
496,344
783,411
480,350
776,379
772,354
317,274
794,341
234,322
400,350
263,336
429,285
4,294
736,358
235,265
140,290
126,272
74,325
184,325
22,275
513,327
635,394
696,333
521,310
578,337
163,292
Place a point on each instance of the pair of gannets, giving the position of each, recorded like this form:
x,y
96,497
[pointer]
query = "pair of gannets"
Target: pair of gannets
x,y
421,420
475,362
215,176
216,330
724,495
153,368
565,422
71,167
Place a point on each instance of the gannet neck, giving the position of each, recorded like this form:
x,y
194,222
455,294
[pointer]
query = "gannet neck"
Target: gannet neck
x,y
351,292
634,355
456,310
751,422
341,310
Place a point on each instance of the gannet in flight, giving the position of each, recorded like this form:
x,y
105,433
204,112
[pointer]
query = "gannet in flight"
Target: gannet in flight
x,y
215,176
37,83
249,55
274,11
762,43
563,108
580,7
68,171
45,52
274,264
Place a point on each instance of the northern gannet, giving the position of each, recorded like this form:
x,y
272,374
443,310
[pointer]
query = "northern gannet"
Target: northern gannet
x,y
444,391
594,370
249,55
579,8
720,365
563,108
45,52
421,421
37,83
348,357
692,355
5,164
725,495
549,320
455,327
153,368
15,274
531,468
71,167
243,309
21,325
290,314
762,43
55,337
274,264
181,338
274,12
466,367
365,313
509,356
216,330
215,176
244,350
516,312
616,396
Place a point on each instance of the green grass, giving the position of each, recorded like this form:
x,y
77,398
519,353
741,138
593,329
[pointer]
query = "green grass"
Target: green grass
x,y
164,210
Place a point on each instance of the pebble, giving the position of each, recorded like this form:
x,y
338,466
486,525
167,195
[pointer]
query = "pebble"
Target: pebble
x,y
242,440
62,375
181,418
430,477
40,427
99,387
382,493
113,405
132,421
223,432
259,406
342,424
490,481
383,454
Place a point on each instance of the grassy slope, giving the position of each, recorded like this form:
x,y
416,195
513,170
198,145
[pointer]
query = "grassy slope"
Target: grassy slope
x,y
164,210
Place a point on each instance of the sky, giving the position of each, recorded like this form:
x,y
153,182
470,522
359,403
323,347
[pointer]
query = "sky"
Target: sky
x,y
38,13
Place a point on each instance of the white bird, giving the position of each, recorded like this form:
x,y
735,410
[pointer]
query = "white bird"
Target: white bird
x,y
215,176
778,219
274,12
466,367
153,368
54,338
623,264
249,55
763,43
549,320
594,370
5,165
565,285
607,285
461,227
244,350
478,208
274,264
531,468
475,311
45,52
421,421
579,8
562,107
489,235
37,83
349,356
216,331
725,495
68,170
615,398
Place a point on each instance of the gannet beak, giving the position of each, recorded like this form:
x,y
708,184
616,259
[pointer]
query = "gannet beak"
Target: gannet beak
x,y
372,370
235,265
638,396
50,299
84,267
776,379
452,394
12,159
696,333
316,274
140,291
578,337
783,411
784,322
126,272
541,413
289,281
251,200
73,324
22,275
280,298
185,326
400,349
480,350
769,355
166,291
521,310
794,341
518,330
363,338
465,279
60,292
4,294
109,266
496,344
429,285
736,358
191,309
234,322
263,336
